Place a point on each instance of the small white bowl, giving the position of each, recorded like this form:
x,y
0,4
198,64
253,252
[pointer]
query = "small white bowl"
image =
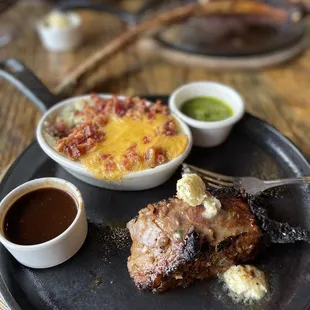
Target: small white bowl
x,y
133,181
57,250
208,134
61,39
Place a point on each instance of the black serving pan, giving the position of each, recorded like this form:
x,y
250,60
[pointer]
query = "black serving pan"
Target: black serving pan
x,y
97,277
28,83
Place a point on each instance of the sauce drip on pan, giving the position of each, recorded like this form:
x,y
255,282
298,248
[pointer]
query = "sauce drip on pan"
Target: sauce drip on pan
x,y
39,216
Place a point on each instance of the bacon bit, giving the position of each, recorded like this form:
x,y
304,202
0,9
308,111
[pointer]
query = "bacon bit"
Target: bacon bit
x,y
120,109
130,160
101,106
109,107
134,157
81,148
170,128
79,137
129,103
126,163
73,152
155,156
146,139
109,166
159,107
61,144
160,156
100,120
151,116
139,105
88,131
106,156
81,140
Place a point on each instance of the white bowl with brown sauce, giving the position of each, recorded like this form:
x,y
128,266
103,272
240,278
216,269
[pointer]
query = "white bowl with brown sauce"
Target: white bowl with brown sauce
x,y
132,181
43,222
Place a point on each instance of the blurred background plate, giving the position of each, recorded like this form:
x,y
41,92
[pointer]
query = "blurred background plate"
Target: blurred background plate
x,y
231,36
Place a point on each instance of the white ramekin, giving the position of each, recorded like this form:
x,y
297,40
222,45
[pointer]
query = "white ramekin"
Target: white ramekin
x,y
140,180
57,250
61,39
208,134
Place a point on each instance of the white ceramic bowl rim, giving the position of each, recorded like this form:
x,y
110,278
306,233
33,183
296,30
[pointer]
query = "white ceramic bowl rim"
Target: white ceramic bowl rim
x,y
75,20
78,167
33,185
238,110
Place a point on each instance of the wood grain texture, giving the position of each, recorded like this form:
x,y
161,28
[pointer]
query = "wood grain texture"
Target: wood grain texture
x,y
279,95
3,305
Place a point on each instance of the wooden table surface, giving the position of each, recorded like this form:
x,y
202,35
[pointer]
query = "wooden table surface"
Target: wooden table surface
x,y
280,95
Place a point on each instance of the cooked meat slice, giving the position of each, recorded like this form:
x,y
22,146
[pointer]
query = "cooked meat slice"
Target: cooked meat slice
x,y
174,244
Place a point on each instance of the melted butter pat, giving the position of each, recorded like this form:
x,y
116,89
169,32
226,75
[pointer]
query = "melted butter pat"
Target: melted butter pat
x,y
192,190
123,133
246,282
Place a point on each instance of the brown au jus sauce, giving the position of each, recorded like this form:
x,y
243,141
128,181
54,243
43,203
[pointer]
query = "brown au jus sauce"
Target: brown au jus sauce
x,y
39,216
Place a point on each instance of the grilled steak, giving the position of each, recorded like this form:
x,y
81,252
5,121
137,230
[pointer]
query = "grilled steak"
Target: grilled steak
x,y
174,244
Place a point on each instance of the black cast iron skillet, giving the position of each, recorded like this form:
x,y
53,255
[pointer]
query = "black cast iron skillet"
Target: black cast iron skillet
x,y
28,83
97,277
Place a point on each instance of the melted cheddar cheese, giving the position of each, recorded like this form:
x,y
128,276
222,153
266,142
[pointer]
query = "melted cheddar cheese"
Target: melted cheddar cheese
x,y
105,160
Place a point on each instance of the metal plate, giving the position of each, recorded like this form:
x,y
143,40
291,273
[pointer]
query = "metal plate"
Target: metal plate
x,y
97,277
231,36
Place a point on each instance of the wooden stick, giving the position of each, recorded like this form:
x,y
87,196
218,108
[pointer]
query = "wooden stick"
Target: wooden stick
x,y
119,43
173,16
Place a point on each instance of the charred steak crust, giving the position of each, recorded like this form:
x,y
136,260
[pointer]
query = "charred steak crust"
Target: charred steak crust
x,y
274,231
173,244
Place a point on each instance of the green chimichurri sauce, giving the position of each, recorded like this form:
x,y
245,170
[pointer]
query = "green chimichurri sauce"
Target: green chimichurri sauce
x,y
206,109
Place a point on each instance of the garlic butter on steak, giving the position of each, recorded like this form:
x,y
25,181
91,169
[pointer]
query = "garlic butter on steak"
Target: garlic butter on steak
x,y
174,242
198,234
246,282
192,189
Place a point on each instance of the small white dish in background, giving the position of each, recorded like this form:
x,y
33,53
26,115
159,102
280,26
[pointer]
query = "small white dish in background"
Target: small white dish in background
x,y
60,32
206,133
54,251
